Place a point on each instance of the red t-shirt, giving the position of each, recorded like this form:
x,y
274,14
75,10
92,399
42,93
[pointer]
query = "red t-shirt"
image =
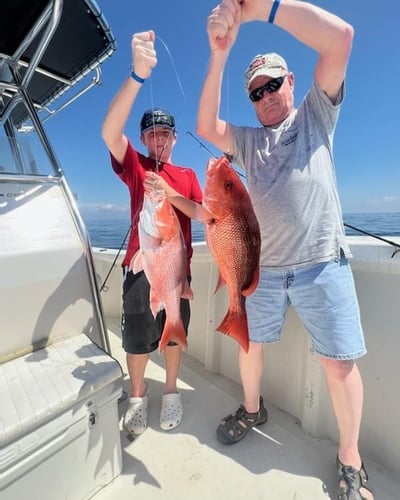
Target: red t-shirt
x,y
182,179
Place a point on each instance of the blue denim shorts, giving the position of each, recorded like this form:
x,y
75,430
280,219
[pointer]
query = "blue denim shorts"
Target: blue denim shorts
x,y
325,300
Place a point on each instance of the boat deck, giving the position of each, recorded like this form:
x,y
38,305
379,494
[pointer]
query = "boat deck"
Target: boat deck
x,y
277,461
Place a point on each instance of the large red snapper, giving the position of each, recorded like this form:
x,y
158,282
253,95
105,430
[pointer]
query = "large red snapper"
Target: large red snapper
x,y
163,257
234,240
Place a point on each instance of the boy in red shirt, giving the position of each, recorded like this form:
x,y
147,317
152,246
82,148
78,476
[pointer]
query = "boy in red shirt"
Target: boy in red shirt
x,y
140,332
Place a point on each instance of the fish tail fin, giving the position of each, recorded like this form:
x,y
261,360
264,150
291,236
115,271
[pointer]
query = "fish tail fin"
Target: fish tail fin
x,y
234,325
173,332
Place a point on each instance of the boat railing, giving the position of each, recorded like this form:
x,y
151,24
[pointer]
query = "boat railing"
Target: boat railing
x,y
293,379
32,76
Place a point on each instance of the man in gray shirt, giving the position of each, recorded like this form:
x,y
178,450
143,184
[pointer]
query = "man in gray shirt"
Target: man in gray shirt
x,y
291,179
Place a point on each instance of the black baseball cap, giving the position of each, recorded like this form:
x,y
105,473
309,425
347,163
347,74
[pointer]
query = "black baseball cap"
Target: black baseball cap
x,y
157,117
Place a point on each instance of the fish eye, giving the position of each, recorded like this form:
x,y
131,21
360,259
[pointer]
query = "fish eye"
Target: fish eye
x,y
228,185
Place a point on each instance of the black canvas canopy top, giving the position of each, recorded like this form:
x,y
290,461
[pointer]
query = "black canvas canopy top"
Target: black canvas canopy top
x,y
46,47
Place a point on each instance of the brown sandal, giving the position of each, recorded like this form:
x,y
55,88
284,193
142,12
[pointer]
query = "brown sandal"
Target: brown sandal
x,y
235,426
354,480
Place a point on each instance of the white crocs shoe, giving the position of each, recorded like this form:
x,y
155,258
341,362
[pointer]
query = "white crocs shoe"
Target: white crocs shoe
x,y
171,411
135,420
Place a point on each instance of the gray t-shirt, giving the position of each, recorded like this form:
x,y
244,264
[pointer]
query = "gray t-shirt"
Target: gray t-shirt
x,y
292,184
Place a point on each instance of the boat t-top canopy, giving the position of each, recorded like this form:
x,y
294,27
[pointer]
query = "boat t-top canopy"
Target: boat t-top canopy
x,y
46,47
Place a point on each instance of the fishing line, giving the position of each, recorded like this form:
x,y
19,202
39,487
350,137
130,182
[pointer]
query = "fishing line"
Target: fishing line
x,y
154,125
157,157
152,96
102,288
228,101
173,65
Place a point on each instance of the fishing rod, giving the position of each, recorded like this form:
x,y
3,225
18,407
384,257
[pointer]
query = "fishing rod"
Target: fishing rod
x,y
157,159
397,246
201,144
227,155
103,286
347,225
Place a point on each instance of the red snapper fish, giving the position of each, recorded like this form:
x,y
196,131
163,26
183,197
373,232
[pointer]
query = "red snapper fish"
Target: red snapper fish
x,y
233,237
163,258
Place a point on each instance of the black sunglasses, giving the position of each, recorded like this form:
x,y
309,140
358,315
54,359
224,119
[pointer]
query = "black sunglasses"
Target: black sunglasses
x,y
271,86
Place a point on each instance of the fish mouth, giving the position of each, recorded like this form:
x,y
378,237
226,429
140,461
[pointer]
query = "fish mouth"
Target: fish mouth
x,y
155,198
215,165
152,203
210,164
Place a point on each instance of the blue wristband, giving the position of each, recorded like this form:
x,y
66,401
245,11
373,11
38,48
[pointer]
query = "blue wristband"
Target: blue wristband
x,y
274,8
137,78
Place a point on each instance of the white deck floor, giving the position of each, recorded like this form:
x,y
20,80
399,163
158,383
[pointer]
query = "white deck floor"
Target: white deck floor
x,y
278,461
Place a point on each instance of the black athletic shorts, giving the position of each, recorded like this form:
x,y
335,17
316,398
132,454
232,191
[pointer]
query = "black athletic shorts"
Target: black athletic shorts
x,y
141,333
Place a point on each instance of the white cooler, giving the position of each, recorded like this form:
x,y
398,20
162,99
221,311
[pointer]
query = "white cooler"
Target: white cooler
x,y
59,424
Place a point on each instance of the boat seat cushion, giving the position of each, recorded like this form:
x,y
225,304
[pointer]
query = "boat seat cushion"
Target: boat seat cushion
x,y
39,386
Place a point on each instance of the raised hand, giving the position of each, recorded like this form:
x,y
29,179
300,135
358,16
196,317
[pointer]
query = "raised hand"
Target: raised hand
x,y
154,184
223,25
144,56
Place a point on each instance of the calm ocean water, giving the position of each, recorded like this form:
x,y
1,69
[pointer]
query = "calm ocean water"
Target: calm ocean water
x,y
110,233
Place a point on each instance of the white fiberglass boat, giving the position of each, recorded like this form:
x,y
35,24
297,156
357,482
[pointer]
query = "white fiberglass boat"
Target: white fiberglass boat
x,y
62,369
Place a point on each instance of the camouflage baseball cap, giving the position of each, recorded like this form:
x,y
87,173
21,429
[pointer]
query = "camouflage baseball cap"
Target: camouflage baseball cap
x,y
272,65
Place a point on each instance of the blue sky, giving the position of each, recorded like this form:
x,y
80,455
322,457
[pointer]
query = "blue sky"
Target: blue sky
x,y
367,143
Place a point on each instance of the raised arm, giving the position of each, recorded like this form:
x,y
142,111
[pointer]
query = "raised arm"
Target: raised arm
x,y
320,30
222,28
143,60
190,208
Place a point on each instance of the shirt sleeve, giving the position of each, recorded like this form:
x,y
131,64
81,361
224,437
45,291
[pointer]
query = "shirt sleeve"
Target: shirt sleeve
x,y
197,194
126,170
325,111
